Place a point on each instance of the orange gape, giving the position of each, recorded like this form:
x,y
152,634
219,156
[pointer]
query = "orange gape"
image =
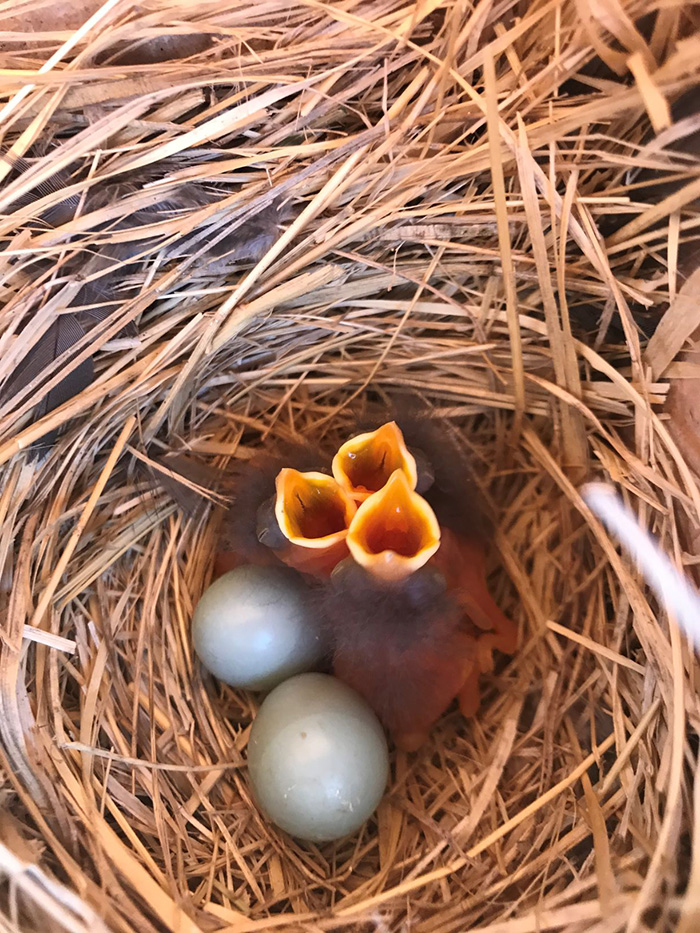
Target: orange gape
x,y
364,464
311,517
394,531
313,514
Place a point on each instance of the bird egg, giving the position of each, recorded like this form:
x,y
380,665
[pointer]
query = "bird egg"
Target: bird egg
x,y
255,626
317,758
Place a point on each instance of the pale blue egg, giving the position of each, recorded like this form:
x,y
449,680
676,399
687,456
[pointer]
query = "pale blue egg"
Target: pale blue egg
x,y
255,626
317,758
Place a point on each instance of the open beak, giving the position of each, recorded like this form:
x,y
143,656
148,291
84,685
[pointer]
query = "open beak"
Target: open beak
x,y
394,532
313,514
364,464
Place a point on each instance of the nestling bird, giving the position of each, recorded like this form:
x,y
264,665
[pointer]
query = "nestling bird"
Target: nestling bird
x,y
312,516
412,622
443,474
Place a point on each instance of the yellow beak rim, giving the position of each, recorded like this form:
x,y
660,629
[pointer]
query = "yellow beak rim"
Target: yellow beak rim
x,y
394,531
364,463
311,509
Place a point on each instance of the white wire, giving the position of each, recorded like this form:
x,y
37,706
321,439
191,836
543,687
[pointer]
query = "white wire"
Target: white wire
x,y
671,587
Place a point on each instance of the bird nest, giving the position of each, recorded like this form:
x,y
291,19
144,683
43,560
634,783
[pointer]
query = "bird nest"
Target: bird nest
x,y
273,213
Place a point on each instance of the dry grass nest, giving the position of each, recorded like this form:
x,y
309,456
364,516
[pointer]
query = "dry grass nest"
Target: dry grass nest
x,y
457,213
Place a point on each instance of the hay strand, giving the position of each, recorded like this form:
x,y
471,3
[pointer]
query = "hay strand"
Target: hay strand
x,y
264,216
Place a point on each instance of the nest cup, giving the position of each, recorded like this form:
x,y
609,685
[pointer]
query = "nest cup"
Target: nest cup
x,y
427,199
